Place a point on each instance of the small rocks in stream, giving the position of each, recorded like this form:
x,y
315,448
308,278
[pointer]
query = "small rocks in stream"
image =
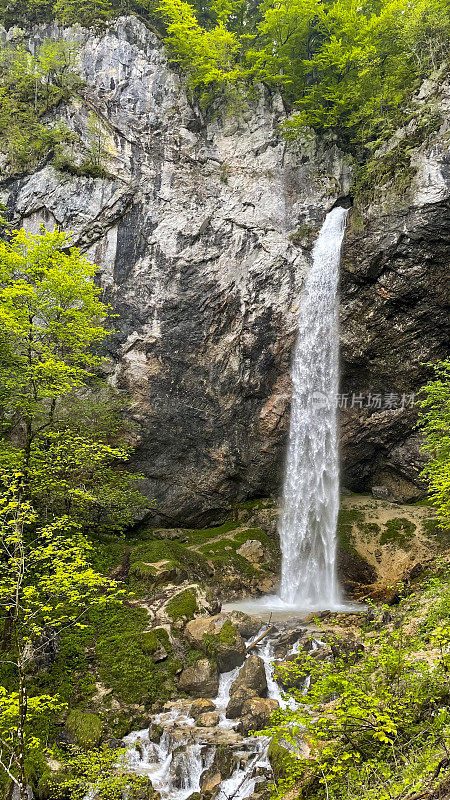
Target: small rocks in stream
x,y
201,706
252,675
200,680
256,713
237,700
208,720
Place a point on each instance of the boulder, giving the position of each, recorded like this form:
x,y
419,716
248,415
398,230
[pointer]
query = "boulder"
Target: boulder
x,y
256,713
210,779
247,625
237,700
201,706
208,720
251,676
196,629
286,642
252,550
219,638
200,680
227,648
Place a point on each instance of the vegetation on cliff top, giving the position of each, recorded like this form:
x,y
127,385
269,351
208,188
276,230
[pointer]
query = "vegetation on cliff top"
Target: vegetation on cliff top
x,y
342,66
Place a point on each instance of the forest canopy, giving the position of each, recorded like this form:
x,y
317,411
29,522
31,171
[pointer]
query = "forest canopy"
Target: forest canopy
x,y
341,65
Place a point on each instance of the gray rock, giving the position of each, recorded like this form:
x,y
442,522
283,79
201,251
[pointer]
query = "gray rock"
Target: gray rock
x,y
252,675
237,700
256,713
380,492
198,239
200,680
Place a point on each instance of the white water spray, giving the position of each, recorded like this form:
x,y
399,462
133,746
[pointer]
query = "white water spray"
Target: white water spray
x,y
311,487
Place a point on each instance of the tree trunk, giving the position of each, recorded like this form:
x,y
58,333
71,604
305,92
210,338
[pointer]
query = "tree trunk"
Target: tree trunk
x,y
20,734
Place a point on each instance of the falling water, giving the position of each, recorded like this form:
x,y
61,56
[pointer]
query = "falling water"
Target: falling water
x,y
310,501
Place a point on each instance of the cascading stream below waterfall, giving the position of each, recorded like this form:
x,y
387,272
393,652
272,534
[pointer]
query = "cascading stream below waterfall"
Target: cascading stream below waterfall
x,y
311,486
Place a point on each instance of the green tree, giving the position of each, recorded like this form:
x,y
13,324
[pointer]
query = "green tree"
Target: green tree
x,y
434,406
46,585
83,12
51,320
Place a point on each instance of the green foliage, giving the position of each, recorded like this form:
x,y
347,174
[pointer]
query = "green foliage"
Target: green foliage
x,y
208,56
29,87
83,12
434,404
377,724
125,664
50,321
103,772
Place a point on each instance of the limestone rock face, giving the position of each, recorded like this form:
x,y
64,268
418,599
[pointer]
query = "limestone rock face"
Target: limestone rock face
x,y
203,235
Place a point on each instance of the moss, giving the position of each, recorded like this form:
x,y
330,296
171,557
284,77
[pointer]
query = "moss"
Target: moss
x,y
85,728
183,605
348,517
256,505
193,655
125,664
140,571
205,534
304,235
397,531
212,641
369,529
281,760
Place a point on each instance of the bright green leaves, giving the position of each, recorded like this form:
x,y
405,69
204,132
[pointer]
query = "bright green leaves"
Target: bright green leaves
x,y
209,57
50,316
435,424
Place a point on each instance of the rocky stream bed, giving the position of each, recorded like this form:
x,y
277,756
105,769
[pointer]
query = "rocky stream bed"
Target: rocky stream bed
x,y
204,748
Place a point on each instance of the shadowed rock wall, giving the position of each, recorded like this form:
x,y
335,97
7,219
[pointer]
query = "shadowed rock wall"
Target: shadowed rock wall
x,y
203,235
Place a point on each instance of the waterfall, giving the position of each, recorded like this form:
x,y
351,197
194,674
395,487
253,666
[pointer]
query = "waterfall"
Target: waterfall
x,y
311,486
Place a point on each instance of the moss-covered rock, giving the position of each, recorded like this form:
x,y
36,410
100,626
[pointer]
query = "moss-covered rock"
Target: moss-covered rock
x,y
183,606
226,647
85,728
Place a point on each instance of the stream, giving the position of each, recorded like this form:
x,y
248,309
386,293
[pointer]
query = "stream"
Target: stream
x,y
175,764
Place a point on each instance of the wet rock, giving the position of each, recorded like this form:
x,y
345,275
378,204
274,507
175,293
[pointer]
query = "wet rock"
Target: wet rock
x,y
208,720
247,625
224,761
237,700
286,642
256,713
201,680
155,732
252,675
210,780
201,706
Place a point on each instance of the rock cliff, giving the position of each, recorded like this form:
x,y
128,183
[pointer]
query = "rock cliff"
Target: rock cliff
x,y
202,230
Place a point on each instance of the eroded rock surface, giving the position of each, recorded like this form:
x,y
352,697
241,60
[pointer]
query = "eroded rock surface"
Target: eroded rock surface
x,y
203,235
